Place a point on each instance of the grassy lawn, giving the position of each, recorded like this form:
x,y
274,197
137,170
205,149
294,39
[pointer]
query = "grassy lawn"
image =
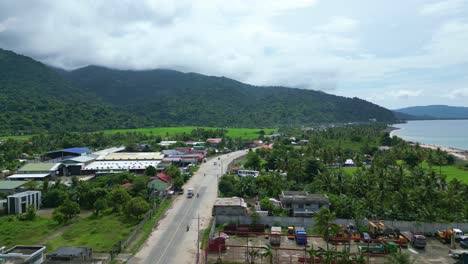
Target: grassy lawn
x,y
349,170
15,232
247,133
101,234
450,171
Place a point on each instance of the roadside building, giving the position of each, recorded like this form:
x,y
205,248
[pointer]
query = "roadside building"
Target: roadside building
x,y
117,162
39,171
301,203
10,187
348,163
158,188
214,142
229,206
62,154
75,165
23,254
68,254
18,203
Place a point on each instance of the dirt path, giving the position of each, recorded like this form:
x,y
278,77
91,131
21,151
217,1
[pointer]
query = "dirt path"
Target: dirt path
x,y
60,231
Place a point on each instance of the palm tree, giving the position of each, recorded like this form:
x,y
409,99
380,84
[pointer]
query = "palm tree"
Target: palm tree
x,y
267,253
252,255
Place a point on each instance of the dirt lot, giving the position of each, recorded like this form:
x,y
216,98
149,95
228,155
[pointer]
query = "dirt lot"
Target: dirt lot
x,y
290,252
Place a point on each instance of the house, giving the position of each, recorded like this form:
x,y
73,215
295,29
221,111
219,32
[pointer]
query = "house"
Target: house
x,y
166,143
66,254
18,203
229,206
384,148
214,141
301,203
39,171
23,254
158,188
10,187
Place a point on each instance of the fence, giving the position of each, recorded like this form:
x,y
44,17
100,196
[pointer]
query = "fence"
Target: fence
x,y
123,244
308,222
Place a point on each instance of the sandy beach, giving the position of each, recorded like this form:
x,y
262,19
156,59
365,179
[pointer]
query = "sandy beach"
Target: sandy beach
x,y
458,153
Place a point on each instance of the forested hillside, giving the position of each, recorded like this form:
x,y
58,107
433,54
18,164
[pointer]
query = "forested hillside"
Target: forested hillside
x,y
37,98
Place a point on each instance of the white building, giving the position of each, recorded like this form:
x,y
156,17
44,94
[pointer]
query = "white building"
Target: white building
x,y
18,203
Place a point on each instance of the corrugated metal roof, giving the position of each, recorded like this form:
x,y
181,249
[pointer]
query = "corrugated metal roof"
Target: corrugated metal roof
x,y
7,185
28,176
72,150
40,166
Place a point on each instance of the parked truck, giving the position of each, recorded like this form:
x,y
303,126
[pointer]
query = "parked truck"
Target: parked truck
x,y
301,236
378,248
416,240
275,237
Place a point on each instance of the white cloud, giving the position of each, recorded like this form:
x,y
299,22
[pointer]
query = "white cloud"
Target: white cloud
x,y
339,24
458,93
402,94
444,7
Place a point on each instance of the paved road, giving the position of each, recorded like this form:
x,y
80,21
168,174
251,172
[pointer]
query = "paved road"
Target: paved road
x,y
170,242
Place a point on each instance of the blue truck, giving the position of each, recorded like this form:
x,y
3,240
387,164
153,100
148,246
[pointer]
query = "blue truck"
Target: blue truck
x,y
301,236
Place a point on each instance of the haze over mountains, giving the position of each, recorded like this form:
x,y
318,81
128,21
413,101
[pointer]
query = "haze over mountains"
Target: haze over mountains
x,y
432,112
35,97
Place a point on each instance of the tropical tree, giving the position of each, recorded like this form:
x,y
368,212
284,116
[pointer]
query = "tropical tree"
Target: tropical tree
x,y
400,258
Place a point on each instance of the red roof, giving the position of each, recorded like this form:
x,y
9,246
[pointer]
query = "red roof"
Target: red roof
x,y
127,185
164,177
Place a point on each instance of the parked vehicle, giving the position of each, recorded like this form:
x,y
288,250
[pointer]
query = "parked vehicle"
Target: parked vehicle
x,y
275,237
189,192
352,232
375,228
464,242
301,236
458,234
416,240
458,253
378,248
366,237
446,235
291,232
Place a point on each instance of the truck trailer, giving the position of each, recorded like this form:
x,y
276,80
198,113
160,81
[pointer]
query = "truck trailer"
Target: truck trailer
x,y
301,236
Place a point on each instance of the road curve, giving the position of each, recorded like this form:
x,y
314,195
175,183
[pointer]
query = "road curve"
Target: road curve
x,y
170,242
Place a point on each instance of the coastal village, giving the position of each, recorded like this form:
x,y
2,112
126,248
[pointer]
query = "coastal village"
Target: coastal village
x,y
278,228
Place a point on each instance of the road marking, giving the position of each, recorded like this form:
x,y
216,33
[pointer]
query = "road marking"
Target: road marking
x,y
413,251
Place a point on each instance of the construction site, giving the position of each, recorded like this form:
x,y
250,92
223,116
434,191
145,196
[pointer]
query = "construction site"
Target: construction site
x,y
264,244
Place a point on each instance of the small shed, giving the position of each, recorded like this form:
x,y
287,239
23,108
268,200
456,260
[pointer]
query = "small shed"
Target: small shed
x,y
217,243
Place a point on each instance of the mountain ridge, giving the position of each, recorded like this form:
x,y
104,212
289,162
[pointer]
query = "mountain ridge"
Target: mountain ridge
x,y
38,98
436,112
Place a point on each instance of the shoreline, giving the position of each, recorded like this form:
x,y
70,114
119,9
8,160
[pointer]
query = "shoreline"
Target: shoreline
x,y
460,154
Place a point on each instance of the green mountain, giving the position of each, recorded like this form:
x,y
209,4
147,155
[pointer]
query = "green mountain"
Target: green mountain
x,y
35,98
436,112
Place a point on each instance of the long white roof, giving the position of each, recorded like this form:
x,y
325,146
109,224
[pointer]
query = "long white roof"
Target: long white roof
x,y
28,176
121,165
132,156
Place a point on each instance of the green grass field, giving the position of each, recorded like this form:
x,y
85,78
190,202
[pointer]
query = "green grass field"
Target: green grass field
x,y
101,234
14,232
247,133
451,172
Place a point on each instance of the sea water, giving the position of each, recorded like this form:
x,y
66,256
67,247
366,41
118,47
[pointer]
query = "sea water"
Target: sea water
x,y
447,133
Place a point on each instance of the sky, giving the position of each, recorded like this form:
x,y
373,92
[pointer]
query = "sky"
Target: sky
x,y
393,53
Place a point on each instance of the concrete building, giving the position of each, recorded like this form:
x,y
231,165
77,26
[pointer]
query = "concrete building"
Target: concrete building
x,y
67,254
302,203
229,206
38,171
18,203
23,255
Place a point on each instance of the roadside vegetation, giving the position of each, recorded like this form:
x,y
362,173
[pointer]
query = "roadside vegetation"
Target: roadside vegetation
x,y
403,182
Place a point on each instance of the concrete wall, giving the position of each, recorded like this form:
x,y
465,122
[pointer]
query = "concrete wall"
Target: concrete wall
x,y
308,222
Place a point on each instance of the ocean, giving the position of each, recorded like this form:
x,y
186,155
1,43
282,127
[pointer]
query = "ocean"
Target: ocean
x,y
447,133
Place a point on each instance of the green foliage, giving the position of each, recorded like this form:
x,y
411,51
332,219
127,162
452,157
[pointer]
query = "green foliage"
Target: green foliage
x,y
266,204
323,221
29,215
150,171
36,98
118,198
65,212
137,207
100,205
253,161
